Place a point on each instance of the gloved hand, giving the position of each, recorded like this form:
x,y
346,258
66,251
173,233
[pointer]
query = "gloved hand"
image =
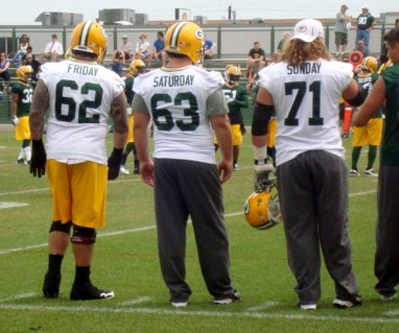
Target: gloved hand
x,y
129,111
15,121
38,159
262,173
114,163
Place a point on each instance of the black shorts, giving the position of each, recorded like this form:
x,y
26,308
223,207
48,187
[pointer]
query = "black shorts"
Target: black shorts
x,y
341,38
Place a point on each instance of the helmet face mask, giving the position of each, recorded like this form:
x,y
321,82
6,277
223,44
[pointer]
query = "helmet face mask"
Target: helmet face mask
x,y
89,38
186,38
233,74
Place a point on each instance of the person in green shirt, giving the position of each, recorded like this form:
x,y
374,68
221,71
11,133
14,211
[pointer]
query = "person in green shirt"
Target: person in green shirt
x,y
136,68
370,133
386,90
341,31
237,98
21,101
365,22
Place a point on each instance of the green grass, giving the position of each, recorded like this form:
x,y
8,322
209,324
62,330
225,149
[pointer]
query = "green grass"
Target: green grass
x,y
128,263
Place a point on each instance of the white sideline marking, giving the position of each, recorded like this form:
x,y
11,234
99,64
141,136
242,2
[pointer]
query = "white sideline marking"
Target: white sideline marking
x,y
106,234
262,306
135,301
393,312
362,193
157,311
5,204
48,188
19,296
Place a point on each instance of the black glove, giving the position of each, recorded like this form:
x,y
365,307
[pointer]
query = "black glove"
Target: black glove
x,y
38,159
262,173
114,163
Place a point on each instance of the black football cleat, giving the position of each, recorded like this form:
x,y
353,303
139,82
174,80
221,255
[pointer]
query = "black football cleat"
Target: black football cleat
x,y
86,291
51,285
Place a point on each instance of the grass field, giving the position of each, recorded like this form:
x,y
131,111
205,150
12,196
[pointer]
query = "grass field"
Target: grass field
x,y
126,260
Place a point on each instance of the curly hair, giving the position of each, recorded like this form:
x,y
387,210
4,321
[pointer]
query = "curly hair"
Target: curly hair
x,y
392,37
296,51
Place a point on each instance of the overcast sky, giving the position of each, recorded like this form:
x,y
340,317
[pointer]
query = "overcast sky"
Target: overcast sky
x,y
25,11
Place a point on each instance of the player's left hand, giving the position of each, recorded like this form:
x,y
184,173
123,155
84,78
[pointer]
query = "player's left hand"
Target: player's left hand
x,y
38,159
225,169
262,173
114,163
147,172
15,121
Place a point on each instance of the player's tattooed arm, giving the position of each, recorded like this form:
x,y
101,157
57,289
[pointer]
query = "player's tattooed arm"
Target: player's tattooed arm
x,y
118,112
40,104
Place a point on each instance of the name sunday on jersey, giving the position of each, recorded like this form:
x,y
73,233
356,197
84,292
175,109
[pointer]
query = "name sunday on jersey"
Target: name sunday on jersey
x,y
306,68
173,81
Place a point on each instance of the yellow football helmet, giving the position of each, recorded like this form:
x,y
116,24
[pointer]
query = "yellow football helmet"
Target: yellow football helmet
x,y
24,73
370,64
262,208
137,67
90,37
185,38
233,74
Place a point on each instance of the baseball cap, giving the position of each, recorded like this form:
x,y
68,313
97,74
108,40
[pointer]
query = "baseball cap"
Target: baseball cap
x,y
308,30
345,6
124,36
365,6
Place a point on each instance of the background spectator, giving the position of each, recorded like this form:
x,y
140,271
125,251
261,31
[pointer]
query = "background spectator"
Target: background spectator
x,y
142,47
126,47
36,66
255,56
397,23
363,48
158,50
4,65
365,22
280,46
53,50
23,45
117,65
209,49
341,31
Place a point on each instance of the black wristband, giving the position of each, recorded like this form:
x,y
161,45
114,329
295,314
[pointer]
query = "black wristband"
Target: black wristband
x,y
262,115
359,98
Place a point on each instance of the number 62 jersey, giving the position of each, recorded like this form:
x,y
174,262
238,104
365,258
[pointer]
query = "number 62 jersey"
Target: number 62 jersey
x,y
306,100
180,104
81,94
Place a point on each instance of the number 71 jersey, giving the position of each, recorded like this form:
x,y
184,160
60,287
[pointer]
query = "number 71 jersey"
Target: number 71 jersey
x,y
177,102
81,94
306,100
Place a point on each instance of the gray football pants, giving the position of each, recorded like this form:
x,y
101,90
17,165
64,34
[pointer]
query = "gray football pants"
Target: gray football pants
x,y
183,189
386,265
313,191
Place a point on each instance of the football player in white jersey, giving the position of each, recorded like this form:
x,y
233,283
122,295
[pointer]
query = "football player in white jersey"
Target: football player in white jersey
x,y
80,95
304,91
185,102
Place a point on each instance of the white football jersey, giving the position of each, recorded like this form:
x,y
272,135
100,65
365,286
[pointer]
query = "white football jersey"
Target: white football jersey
x,y
81,95
177,101
306,100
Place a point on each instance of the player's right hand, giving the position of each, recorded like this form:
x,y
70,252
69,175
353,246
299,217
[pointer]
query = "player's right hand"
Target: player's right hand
x,y
225,169
38,159
15,121
147,172
262,173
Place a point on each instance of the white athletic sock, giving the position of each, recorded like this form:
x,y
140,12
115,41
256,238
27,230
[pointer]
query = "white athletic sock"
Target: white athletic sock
x,y
21,154
28,153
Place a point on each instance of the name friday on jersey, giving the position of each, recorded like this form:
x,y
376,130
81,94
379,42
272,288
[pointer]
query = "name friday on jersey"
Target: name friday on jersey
x,y
173,81
82,69
306,68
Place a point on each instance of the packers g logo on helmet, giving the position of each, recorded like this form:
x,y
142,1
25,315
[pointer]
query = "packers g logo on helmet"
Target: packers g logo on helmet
x,y
90,37
185,38
137,67
370,64
23,73
262,209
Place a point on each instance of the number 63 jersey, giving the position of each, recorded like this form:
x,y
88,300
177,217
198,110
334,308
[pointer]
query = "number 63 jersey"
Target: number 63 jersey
x,y
177,101
81,94
306,100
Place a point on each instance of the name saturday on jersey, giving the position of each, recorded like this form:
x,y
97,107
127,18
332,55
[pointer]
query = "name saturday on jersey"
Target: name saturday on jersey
x,y
173,81
82,69
306,68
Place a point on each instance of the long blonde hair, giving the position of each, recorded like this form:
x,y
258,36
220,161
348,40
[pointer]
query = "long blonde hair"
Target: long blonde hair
x,y
296,51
